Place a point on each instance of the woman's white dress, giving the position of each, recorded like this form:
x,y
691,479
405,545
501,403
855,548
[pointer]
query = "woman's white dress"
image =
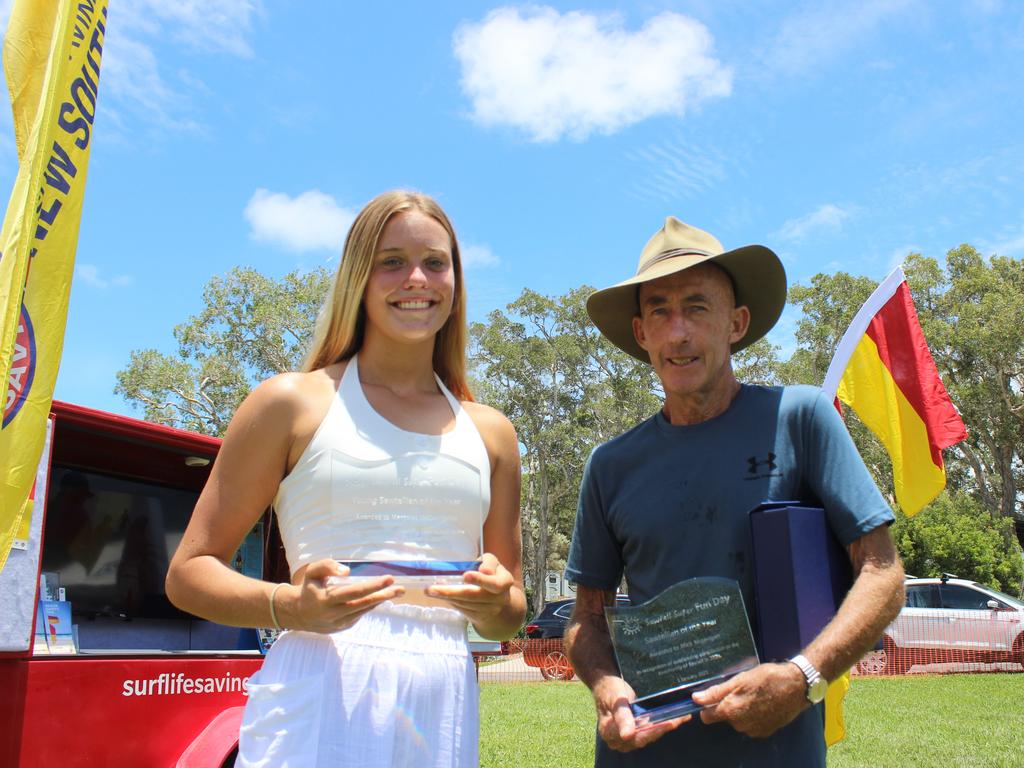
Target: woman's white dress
x,y
398,688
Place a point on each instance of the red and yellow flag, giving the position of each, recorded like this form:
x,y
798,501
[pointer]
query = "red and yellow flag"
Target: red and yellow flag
x,y
883,370
51,54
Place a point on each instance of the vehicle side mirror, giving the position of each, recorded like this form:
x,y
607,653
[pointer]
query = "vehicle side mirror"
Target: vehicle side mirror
x,y
992,605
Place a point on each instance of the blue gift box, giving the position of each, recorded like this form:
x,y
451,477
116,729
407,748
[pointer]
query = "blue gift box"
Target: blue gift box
x,y
801,575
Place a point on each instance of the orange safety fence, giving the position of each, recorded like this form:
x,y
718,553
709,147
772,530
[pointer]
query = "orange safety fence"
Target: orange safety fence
x,y
957,642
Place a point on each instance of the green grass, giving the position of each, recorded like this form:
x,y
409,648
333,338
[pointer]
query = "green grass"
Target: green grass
x,y
917,721
924,721
537,725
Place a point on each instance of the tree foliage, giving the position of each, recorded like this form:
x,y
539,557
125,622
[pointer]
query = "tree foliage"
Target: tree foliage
x,y
972,315
956,534
567,389
250,328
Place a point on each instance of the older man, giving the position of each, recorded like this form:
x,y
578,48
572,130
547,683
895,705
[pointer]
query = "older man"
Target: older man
x,y
669,500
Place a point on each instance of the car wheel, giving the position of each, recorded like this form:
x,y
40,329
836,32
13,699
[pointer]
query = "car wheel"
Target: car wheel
x,y
555,666
896,661
1018,650
873,663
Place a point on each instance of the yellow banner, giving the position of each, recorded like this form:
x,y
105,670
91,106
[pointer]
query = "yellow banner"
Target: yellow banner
x,y
52,53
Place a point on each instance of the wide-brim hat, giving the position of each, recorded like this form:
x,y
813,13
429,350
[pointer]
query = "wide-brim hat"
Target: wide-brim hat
x,y
758,278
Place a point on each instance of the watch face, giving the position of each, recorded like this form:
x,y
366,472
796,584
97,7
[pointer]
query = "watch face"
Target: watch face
x,y
817,691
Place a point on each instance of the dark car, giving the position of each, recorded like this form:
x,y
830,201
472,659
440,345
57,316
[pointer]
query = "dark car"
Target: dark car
x,y
543,645
551,621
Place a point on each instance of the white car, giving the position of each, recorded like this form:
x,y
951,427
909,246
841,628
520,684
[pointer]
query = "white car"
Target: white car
x,y
952,620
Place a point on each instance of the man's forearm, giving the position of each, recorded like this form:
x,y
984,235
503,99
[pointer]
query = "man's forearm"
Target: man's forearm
x,y
874,600
589,647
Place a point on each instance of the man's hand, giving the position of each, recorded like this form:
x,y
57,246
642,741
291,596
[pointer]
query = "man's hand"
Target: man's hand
x,y
615,720
757,702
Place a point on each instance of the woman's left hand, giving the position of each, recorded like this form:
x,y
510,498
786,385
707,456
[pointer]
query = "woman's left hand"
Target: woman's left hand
x,y
484,597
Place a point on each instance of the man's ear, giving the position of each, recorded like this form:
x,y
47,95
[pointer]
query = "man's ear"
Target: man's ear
x,y
740,324
638,332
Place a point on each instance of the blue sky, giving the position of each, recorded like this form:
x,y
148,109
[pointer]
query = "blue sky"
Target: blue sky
x,y
557,136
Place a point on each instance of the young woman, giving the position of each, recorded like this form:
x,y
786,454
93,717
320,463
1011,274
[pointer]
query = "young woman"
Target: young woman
x,y
375,451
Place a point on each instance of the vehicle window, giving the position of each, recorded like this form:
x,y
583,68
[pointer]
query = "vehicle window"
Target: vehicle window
x,y
922,596
565,611
962,598
1010,602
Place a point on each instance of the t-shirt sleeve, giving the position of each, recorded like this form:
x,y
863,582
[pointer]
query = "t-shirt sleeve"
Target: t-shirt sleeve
x,y
837,475
595,559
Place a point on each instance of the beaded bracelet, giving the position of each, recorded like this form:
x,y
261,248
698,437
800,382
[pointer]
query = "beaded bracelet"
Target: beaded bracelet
x,y
273,611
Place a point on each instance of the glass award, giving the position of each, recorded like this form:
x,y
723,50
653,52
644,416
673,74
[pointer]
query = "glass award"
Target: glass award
x,y
418,517
693,635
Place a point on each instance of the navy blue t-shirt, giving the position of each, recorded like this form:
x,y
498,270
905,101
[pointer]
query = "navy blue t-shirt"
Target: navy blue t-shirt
x,y
662,503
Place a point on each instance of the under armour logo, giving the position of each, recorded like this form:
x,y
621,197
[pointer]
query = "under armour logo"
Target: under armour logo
x,y
769,462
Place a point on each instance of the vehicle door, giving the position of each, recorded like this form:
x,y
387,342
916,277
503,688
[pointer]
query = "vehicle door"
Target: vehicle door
x,y
920,623
971,623
560,618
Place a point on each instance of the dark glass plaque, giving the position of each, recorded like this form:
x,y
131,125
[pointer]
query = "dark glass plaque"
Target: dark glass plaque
x,y
693,635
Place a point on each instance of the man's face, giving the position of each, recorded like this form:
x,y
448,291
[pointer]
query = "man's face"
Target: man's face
x,y
687,323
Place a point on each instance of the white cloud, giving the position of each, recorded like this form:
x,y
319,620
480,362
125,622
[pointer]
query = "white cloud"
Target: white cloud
x,y
207,25
131,75
809,39
827,218
134,85
478,255
554,75
1010,243
90,275
674,169
216,26
313,221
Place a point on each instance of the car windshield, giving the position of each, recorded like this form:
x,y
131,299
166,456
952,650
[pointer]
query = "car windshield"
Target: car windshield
x,y
1015,602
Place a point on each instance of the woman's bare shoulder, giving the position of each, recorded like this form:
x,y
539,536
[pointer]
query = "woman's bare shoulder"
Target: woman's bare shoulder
x,y
493,425
292,397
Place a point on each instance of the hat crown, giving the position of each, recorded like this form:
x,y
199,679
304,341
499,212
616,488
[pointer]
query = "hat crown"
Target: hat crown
x,y
677,238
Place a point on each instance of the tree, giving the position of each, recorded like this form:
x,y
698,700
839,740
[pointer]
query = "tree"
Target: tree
x,y
566,389
758,364
973,317
828,306
251,327
955,534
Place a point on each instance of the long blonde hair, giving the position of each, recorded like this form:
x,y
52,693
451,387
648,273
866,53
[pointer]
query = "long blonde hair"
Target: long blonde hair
x,y
340,327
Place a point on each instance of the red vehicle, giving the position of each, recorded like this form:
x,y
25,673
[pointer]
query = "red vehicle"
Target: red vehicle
x,y
137,682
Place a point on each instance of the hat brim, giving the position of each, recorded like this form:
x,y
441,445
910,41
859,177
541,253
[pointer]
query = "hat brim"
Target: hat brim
x,y
757,274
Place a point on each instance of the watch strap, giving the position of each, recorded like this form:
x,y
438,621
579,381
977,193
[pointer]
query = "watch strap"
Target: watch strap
x,y
816,684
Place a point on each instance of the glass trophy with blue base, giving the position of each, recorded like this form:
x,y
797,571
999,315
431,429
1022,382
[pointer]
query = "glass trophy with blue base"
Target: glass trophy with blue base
x,y
417,517
692,636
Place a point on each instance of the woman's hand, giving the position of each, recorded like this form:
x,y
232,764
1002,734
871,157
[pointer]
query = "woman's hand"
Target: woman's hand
x,y
325,604
485,597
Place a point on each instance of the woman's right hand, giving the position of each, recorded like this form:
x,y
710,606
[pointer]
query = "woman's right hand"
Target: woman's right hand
x,y
318,606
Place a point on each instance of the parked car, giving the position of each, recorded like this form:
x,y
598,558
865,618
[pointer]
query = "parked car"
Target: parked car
x,y
544,632
952,620
551,620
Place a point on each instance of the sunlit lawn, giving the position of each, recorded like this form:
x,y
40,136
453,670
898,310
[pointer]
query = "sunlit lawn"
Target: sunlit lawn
x,y
915,721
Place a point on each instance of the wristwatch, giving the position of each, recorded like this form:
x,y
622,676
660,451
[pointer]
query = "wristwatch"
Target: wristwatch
x,y
816,684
